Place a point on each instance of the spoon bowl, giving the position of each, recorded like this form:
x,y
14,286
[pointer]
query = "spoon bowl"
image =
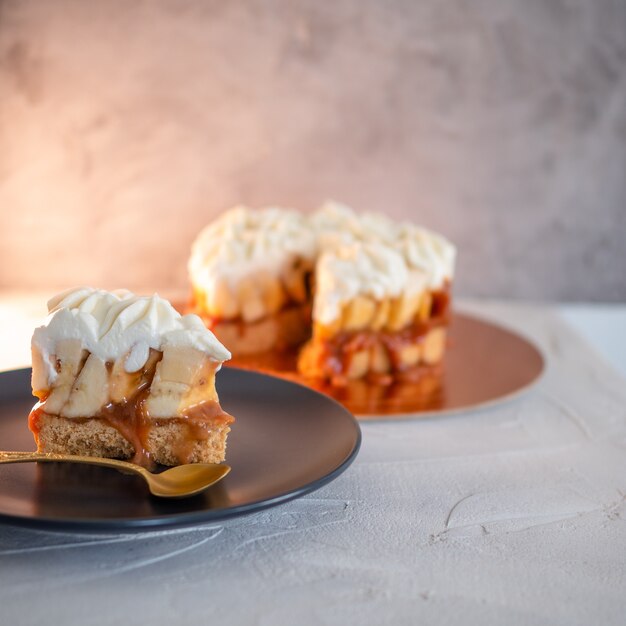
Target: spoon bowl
x,y
180,481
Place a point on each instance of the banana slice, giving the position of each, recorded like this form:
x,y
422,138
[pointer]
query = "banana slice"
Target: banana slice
x,y
221,301
403,309
272,293
90,392
68,359
381,316
183,377
359,364
434,346
358,314
380,361
410,355
425,306
250,300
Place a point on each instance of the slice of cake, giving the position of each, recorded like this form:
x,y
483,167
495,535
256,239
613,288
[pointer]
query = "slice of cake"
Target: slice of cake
x,y
362,296
123,376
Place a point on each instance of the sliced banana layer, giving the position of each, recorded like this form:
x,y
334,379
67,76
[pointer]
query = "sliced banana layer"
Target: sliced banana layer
x,y
255,296
177,378
390,314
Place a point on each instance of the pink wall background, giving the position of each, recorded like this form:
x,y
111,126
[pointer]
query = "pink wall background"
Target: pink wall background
x,y
126,126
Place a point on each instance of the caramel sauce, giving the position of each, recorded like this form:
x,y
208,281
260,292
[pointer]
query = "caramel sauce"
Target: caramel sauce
x,y
406,389
420,390
132,421
34,417
417,389
199,421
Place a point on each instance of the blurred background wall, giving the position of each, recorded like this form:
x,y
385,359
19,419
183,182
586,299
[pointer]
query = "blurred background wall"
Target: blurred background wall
x,y
125,126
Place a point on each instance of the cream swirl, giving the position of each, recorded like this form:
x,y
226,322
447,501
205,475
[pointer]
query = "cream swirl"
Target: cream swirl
x,y
362,268
336,224
119,324
243,241
427,253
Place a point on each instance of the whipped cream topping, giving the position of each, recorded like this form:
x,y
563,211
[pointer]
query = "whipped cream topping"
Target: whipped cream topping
x,y
336,219
243,242
362,268
336,224
427,252
117,324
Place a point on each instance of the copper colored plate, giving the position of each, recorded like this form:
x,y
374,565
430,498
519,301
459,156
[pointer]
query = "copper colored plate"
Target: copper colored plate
x,y
484,364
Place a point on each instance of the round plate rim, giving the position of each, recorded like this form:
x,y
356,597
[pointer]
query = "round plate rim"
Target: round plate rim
x,y
207,516
479,406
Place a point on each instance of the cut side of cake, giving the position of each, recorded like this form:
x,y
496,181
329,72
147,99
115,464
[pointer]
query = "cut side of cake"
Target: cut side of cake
x,y
375,297
369,321
123,376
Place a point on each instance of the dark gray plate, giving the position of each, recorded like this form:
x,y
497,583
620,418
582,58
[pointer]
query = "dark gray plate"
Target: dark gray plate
x,y
287,441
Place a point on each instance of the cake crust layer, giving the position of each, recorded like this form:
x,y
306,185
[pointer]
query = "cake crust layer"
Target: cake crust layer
x,y
169,442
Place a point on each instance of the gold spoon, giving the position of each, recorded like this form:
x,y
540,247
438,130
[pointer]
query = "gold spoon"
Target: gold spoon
x,y
177,482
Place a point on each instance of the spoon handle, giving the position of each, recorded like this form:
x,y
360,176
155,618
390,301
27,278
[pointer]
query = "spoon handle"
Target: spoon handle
x,y
26,457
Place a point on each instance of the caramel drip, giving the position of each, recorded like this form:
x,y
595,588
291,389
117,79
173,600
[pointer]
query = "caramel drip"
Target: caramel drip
x,y
34,417
440,308
199,421
131,419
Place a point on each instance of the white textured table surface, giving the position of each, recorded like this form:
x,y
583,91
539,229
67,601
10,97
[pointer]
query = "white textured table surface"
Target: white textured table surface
x,y
513,515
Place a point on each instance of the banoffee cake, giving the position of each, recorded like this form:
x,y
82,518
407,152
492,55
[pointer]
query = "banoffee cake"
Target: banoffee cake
x,y
123,376
359,295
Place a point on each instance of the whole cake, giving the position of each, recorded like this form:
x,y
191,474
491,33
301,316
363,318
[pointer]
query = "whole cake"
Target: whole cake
x,y
361,296
123,376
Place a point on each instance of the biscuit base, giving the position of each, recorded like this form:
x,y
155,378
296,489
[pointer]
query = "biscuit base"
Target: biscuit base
x,y
287,328
167,441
